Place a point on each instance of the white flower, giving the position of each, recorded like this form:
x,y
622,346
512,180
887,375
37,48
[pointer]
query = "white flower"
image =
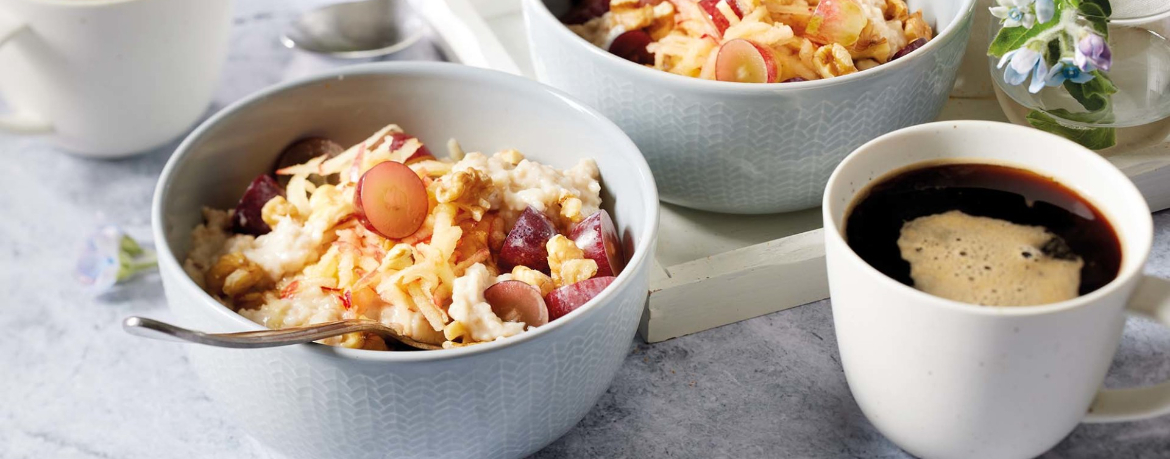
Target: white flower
x,y
111,256
1015,13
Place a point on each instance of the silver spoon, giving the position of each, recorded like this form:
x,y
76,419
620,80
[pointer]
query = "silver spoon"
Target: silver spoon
x,y
356,30
150,328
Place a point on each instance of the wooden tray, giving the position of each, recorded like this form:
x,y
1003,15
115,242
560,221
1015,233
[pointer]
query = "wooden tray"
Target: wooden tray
x,y
715,269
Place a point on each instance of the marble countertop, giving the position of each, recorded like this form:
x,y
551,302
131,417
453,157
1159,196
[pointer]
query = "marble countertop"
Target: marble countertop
x,y
75,386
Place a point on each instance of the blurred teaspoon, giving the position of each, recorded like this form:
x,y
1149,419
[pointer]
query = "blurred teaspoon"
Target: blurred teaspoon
x,y
150,328
356,30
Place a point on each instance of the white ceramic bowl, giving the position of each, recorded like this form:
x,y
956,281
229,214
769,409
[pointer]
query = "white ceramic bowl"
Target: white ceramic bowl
x,y
507,398
750,148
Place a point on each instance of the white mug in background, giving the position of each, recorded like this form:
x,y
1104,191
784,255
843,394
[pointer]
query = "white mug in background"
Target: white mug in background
x,y
109,78
944,379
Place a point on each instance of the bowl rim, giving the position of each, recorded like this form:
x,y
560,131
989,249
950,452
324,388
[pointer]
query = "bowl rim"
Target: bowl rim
x,y
171,266
685,83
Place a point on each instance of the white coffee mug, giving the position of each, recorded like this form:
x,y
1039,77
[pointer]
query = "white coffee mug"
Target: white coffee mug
x,y
944,379
109,78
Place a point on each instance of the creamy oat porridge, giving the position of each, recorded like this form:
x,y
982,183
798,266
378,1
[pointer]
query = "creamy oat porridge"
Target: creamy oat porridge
x,y
456,251
752,41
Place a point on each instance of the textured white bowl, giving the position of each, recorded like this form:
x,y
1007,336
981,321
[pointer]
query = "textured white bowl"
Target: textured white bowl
x,y
507,398
750,148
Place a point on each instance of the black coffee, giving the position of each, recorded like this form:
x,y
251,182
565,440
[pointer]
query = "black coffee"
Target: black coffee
x,y
984,234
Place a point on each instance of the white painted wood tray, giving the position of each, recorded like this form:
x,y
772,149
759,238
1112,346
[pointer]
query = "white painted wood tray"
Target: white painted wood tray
x,y
715,269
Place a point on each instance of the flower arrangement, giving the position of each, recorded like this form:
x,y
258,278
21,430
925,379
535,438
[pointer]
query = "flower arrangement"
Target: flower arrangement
x,y
1060,43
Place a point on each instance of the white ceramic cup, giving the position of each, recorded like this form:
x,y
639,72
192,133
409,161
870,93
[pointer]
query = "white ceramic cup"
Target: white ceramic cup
x,y
109,78
944,379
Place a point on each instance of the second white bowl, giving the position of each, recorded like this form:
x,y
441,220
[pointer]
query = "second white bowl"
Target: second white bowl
x,y
750,148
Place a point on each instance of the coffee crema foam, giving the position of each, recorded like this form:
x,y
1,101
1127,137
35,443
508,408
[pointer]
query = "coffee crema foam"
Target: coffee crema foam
x,y
988,261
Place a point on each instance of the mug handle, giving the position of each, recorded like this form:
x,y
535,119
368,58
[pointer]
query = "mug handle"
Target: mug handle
x,y
19,123
1151,300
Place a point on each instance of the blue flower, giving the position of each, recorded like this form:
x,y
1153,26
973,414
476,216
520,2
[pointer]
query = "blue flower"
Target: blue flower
x,y
1022,62
1015,13
111,256
1045,9
1093,53
1066,70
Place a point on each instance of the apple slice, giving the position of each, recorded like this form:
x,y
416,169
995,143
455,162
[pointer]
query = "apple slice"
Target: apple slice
x,y
598,238
745,62
565,299
516,301
247,217
398,139
631,46
525,243
391,200
700,16
734,4
710,7
836,21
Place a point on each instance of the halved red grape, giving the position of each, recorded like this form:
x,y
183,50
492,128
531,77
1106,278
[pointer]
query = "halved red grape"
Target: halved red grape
x,y
247,218
525,244
391,200
794,80
742,61
303,150
631,46
584,10
565,299
598,238
516,301
909,48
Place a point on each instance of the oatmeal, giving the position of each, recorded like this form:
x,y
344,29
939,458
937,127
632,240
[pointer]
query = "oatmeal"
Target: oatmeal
x,y
450,252
754,41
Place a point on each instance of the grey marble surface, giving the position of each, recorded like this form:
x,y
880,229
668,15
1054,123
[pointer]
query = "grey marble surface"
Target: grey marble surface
x,y
73,385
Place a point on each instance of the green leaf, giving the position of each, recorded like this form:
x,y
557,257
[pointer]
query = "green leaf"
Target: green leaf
x,y
1091,138
1010,38
1093,94
1100,5
1097,117
1096,17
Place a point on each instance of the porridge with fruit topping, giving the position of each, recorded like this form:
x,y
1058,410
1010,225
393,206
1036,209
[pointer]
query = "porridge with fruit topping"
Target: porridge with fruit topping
x,y
449,252
752,41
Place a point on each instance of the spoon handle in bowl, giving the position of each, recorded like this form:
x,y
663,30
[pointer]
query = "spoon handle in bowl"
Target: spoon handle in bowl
x,y
150,328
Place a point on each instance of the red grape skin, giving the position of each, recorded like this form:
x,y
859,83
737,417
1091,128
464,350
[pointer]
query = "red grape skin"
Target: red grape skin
x,y
247,217
303,150
570,297
584,10
909,48
598,238
525,244
631,46
516,301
